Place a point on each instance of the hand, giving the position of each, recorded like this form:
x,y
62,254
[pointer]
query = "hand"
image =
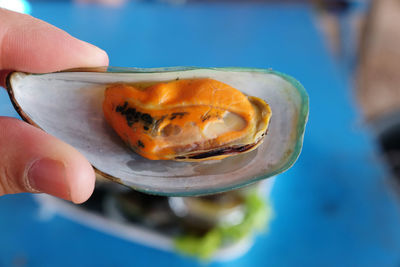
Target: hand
x,y
30,159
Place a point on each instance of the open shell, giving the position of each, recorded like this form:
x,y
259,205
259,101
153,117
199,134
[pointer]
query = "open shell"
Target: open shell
x,y
68,105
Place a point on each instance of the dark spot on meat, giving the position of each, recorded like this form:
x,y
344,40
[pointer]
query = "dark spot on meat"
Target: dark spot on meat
x,y
140,144
204,118
147,118
178,114
132,115
222,151
145,128
136,116
131,111
181,114
122,108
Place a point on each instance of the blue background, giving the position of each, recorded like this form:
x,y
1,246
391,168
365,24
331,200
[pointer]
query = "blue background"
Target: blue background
x,y
335,207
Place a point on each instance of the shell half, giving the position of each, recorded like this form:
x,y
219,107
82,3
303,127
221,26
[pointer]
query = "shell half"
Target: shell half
x,y
68,105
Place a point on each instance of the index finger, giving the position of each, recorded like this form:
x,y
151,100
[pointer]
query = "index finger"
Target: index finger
x,y
32,45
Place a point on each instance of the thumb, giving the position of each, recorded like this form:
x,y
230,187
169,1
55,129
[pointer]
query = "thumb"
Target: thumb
x,y
46,165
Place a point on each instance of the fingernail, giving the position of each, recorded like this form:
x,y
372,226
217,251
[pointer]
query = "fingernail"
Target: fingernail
x,y
96,56
49,176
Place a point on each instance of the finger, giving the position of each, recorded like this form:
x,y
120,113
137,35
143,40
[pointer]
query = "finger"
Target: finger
x,y
3,76
33,161
31,45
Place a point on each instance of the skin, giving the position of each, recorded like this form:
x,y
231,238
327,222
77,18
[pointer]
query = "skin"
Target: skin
x,y
30,159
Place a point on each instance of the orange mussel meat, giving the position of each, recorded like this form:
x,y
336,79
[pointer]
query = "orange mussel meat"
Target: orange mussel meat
x,y
186,120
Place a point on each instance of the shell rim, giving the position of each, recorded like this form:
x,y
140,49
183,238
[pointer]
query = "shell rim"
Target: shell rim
x,y
289,162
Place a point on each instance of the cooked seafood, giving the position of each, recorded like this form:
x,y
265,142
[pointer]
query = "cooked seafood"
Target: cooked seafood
x,y
186,120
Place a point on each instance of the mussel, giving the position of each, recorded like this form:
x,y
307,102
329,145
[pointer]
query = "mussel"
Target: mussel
x,y
186,120
69,105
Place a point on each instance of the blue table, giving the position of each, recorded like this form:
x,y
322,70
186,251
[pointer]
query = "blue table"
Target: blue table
x,y
333,208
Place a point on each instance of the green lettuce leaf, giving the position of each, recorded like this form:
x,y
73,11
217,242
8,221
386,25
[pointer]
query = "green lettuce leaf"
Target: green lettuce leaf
x,y
257,215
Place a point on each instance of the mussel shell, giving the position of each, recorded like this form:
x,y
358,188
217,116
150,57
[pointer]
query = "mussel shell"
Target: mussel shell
x,y
68,105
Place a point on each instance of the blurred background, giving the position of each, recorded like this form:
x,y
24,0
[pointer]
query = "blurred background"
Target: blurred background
x,y
337,206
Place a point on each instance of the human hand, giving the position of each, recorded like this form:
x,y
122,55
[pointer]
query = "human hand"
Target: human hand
x,y
30,159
